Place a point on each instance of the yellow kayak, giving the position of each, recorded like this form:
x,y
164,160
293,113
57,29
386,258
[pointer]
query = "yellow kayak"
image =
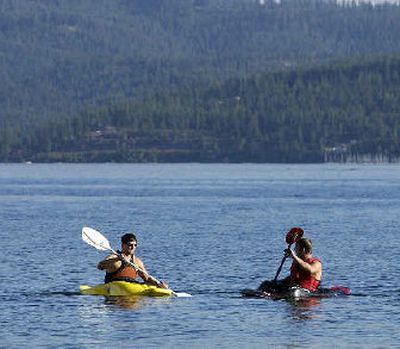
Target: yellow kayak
x,y
123,288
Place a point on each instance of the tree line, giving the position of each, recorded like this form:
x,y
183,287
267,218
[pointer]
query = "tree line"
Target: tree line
x,y
338,112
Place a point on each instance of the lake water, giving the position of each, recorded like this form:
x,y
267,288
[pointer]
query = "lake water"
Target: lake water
x,y
210,230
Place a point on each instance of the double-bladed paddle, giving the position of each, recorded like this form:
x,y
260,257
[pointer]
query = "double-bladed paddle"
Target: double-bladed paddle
x,y
97,240
293,235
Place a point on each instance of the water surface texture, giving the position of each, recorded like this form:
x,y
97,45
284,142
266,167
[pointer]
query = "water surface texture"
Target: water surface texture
x,y
210,230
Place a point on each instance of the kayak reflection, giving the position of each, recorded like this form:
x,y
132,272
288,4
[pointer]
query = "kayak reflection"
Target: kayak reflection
x,y
131,302
304,309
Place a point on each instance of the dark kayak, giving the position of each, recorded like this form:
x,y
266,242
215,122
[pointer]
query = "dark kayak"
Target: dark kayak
x,y
277,290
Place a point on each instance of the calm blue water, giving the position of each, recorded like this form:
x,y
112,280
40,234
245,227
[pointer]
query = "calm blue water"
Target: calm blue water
x,y
210,230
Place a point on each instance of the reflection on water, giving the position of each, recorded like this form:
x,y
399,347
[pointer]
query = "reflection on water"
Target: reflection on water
x,y
134,302
304,309
131,302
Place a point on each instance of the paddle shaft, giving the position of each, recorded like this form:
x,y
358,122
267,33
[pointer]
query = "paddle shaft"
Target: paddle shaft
x,y
135,266
293,235
280,267
149,276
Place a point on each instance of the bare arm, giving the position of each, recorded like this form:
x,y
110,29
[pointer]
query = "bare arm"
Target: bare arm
x,y
110,264
147,278
313,268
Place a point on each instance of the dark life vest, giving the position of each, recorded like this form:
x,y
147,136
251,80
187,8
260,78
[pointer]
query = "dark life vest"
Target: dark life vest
x,y
124,273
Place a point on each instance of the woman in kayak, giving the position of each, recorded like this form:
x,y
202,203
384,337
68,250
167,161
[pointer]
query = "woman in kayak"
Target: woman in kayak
x,y
306,270
118,268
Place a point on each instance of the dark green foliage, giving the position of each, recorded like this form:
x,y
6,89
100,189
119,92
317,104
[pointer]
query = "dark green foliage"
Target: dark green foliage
x,y
340,112
59,56
193,80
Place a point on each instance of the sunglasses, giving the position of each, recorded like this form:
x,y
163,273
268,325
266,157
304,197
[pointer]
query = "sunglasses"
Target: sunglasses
x,y
131,245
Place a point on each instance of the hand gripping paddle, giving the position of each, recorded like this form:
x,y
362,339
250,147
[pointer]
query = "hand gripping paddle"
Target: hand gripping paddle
x,y
293,235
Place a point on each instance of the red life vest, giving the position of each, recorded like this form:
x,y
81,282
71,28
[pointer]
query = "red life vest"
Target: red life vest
x,y
304,278
124,273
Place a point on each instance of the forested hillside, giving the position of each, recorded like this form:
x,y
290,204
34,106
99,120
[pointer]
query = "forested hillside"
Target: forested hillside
x,y
60,56
340,112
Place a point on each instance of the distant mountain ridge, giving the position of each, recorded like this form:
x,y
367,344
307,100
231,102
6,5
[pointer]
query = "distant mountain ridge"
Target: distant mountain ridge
x,y
59,57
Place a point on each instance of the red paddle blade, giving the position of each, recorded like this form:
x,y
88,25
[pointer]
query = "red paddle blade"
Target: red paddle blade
x,y
294,235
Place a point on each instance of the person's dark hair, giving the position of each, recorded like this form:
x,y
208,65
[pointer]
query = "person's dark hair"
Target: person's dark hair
x,y
306,244
128,237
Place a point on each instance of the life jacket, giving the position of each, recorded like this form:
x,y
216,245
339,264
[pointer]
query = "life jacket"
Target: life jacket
x,y
124,273
304,278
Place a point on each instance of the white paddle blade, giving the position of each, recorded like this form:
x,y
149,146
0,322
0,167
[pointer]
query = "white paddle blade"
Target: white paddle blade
x,y
182,294
95,239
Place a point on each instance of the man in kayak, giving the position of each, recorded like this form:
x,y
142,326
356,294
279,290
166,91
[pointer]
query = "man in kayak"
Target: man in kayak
x,y
306,270
118,268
